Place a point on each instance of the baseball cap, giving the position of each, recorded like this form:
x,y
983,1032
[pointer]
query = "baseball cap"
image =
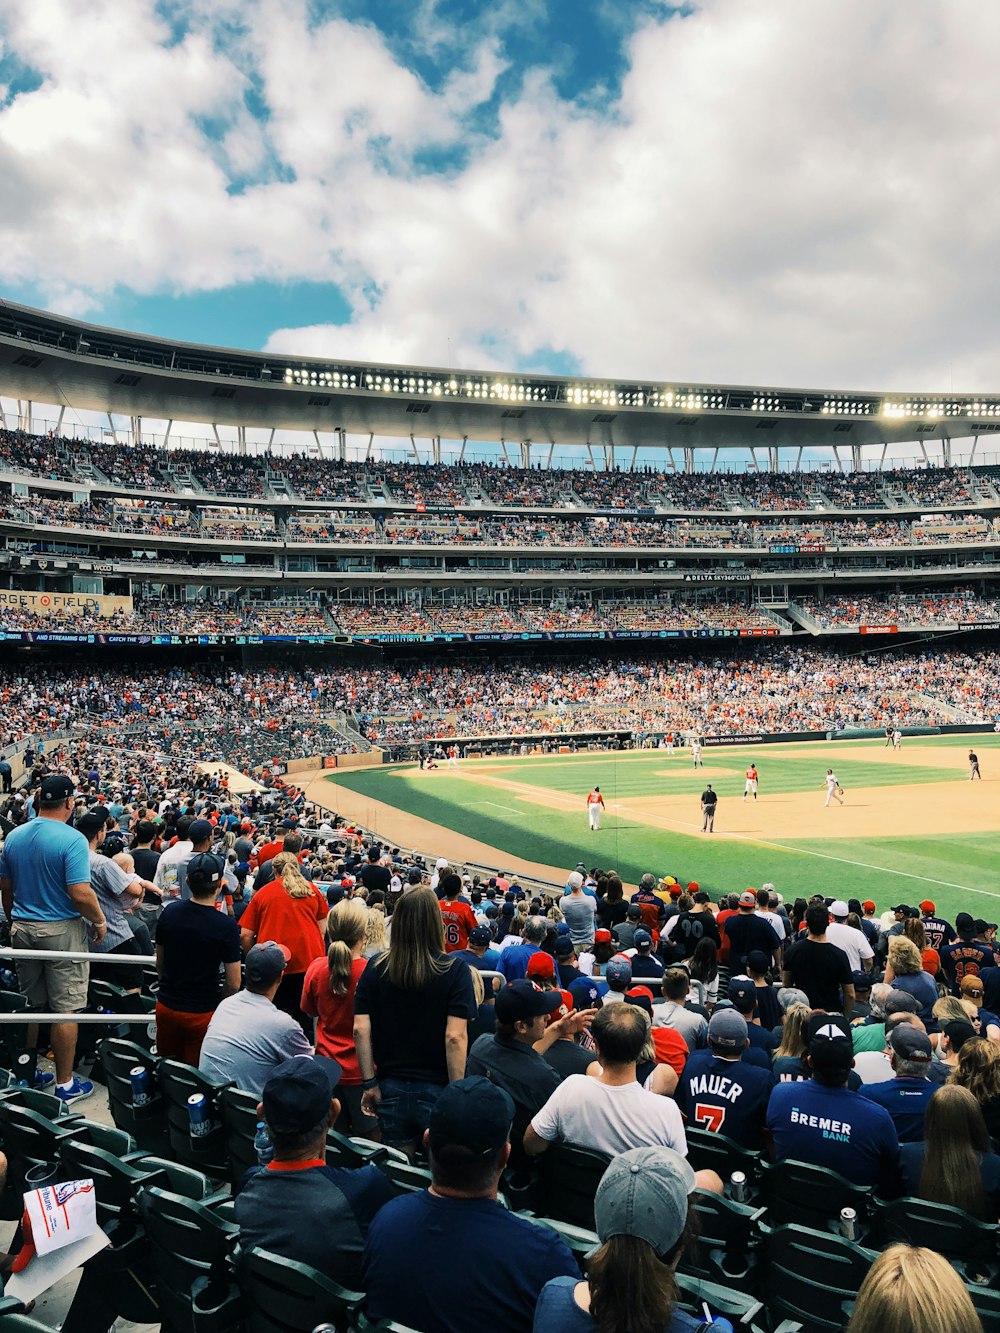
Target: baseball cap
x,y
297,1095
958,1032
910,1043
634,912
758,961
562,928
964,924
585,993
748,898
642,939
480,935
542,965
440,863
641,997
838,907
904,907
980,924
204,872
861,981
473,1114
868,905
743,994
266,962
828,1040
289,823
562,1010
928,906
602,936
930,961
522,1001
727,1029
564,947
91,823
618,970
789,995
644,1193
900,1002
693,887
972,989
507,911
200,830
675,890
57,787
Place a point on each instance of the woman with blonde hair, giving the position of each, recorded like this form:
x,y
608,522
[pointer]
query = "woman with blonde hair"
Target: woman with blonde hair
x,y
328,995
979,1070
411,1022
905,971
376,935
912,1290
788,1065
290,911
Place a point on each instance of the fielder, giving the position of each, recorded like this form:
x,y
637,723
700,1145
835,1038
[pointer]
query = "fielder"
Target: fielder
x,y
897,739
453,756
974,767
834,791
696,753
595,806
750,786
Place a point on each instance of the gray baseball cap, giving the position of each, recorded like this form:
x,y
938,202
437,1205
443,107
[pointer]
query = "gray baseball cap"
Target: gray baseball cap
x,y
644,1193
727,1028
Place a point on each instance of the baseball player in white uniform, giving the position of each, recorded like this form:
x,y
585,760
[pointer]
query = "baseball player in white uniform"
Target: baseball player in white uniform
x,y
696,753
833,788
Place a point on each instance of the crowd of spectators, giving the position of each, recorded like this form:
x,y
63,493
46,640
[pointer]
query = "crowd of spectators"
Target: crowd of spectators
x,y
928,608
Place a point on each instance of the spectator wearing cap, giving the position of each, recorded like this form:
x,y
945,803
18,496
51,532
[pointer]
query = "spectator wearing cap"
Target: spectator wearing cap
x,y
972,989
117,892
767,910
743,997
674,1012
514,959
645,964
868,1034
299,1105
937,931
966,956
529,1022
952,1037
904,971
821,1121
746,931
269,850
478,954
411,1025
247,1036
720,1091
409,1270
873,1066
291,911
48,898
579,911
641,1213
456,913
901,913
625,932
618,977
854,942
906,1094
819,968
291,845
649,903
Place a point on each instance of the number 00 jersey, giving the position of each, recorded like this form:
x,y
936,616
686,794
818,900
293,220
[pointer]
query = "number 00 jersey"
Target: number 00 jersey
x,y
725,1096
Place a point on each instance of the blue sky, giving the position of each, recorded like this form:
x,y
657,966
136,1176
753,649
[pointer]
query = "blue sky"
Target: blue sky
x,y
729,190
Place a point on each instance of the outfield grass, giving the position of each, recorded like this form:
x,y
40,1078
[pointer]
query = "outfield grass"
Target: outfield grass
x,y
956,872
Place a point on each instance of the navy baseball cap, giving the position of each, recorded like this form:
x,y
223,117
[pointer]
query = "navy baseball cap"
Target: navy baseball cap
x,y
564,947
585,992
472,1113
57,787
480,935
297,1095
204,872
743,994
642,939
200,830
522,1001
634,912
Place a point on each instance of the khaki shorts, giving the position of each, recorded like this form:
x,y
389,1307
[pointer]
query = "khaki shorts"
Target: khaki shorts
x,y
59,987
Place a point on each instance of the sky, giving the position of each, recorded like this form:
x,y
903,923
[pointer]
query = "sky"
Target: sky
x,y
778,192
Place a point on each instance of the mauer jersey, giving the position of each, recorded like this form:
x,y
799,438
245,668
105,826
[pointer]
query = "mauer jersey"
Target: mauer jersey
x,y
725,1096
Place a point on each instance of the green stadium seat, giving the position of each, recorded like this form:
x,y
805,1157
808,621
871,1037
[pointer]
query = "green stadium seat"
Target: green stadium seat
x,y
971,1245
177,1178
366,1325
987,1302
207,1153
741,1310
811,1276
406,1177
192,1260
283,1296
147,1124
715,1152
238,1111
580,1241
350,1152
570,1177
810,1196
727,1238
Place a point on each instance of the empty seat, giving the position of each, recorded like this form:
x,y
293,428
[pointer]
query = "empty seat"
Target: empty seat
x,y
810,1195
726,1237
283,1296
570,1177
205,1152
812,1276
191,1251
969,1243
238,1110
715,1152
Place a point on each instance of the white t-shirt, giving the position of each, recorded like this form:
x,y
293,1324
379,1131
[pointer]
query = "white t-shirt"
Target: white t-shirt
x,y
873,1067
853,942
590,1114
773,919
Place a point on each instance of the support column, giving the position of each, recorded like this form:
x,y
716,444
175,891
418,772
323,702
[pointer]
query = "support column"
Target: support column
x,y
972,455
946,451
436,448
772,455
526,455
166,437
59,419
111,423
341,444
461,452
856,457
241,439
371,441
319,447
798,459
215,432
413,446
689,459
24,414
135,425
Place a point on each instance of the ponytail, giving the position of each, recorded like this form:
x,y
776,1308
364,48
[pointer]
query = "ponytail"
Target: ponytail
x,y
286,867
345,929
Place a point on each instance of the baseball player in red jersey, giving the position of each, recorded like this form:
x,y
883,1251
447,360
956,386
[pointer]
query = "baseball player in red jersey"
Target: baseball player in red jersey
x,y
751,782
595,805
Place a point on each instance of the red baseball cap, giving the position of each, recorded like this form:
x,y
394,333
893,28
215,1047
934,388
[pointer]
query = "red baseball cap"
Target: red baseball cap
x,y
565,1008
675,890
748,898
928,907
868,905
602,936
541,964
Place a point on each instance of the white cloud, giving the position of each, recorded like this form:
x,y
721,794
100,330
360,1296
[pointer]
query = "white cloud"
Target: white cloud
x,y
782,193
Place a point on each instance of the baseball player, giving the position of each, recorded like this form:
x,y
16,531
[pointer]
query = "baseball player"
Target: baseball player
x,y
595,805
750,786
974,767
834,791
696,753
897,739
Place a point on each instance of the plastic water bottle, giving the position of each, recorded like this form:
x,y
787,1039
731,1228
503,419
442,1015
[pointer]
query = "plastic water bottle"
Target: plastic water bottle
x,y
263,1146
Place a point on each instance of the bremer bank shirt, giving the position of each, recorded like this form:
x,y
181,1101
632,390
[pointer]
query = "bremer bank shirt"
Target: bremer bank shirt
x,y
835,1128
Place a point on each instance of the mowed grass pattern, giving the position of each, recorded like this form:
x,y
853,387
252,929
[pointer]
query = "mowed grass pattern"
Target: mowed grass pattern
x,y
956,872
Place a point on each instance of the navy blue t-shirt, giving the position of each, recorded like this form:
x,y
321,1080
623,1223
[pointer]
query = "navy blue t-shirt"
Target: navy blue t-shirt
x,y
835,1128
906,1101
725,1096
965,958
416,1258
558,1312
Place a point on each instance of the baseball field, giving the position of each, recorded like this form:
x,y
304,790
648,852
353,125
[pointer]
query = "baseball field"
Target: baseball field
x,y
912,825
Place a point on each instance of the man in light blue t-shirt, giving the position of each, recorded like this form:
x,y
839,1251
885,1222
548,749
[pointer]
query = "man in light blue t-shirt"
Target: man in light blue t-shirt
x,y
47,896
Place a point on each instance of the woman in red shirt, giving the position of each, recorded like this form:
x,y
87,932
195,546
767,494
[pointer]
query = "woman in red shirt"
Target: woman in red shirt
x,y
289,911
328,994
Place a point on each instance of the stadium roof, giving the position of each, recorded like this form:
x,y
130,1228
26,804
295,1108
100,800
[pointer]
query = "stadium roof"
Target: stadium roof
x,y
47,358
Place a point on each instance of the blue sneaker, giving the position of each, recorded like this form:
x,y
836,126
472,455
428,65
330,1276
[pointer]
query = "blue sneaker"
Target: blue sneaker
x,y
80,1088
42,1079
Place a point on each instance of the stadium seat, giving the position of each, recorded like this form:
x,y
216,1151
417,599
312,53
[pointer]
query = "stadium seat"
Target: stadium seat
x,y
971,1245
365,1325
406,1177
186,1181
344,1151
741,1310
810,1196
105,1137
15,1053
987,1302
192,1262
207,1153
811,1275
715,1152
727,1235
239,1124
283,1296
570,1177
147,1124
580,1241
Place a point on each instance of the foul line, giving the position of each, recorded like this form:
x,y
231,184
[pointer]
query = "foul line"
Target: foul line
x,y
509,808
